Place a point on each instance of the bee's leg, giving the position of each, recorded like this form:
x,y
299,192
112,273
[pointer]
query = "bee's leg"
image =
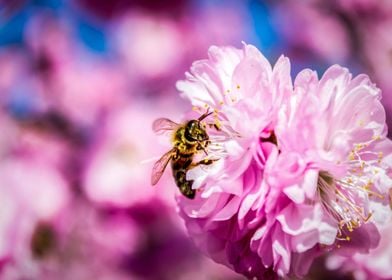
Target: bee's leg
x,y
214,125
200,147
176,154
207,161
203,162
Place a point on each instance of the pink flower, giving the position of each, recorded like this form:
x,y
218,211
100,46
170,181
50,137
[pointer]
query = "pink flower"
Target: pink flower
x,y
138,34
83,93
89,244
334,131
300,170
246,94
32,193
336,127
333,167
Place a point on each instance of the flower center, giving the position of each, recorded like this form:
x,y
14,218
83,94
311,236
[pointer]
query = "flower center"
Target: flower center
x,y
347,199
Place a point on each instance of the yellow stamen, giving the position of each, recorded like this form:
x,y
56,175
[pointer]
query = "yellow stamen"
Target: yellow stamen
x,y
376,137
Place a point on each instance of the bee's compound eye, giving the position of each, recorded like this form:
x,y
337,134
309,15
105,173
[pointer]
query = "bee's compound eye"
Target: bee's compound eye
x,y
191,131
190,126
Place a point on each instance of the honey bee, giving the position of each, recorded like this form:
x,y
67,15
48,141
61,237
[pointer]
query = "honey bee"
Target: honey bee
x,y
188,139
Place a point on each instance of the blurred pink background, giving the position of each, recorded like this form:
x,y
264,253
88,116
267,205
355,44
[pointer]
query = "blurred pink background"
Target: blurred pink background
x,y
81,82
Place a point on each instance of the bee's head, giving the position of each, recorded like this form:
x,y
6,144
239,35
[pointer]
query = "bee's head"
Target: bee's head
x,y
195,131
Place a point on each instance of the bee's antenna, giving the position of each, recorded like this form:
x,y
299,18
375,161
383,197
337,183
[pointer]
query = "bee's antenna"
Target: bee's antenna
x,y
205,115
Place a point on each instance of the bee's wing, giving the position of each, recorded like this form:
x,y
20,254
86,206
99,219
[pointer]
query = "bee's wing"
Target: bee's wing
x,y
160,166
162,124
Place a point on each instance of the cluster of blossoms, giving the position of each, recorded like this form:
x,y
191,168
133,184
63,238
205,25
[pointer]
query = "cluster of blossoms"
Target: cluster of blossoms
x,y
303,166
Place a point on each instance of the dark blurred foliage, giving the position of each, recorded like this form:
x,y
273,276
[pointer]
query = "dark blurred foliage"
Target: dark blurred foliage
x,y
110,9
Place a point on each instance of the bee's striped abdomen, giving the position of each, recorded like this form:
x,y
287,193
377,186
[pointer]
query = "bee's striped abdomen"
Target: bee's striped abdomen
x,y
180,167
